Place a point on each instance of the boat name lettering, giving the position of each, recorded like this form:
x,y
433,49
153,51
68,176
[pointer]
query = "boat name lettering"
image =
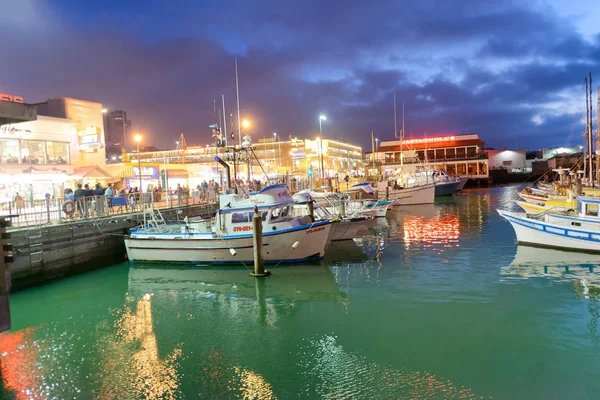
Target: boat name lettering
x,y
281,194
322,228
243,228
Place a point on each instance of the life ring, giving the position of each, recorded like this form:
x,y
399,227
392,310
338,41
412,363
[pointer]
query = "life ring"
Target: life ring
x,y
69,208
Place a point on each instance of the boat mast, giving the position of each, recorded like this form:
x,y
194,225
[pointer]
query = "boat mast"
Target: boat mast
x,y
373,149
401,135
237,90
587,132
590,135
224,120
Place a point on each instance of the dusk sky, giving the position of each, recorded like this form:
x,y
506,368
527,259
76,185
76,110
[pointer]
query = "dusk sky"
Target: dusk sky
x,y
511,71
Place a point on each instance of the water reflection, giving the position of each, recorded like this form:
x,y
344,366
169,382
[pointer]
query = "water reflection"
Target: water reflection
x,y
582,270
342,375
561,266
434,232
133,350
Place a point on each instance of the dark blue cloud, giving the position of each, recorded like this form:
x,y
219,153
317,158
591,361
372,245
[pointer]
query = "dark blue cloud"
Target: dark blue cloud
x,y
511,73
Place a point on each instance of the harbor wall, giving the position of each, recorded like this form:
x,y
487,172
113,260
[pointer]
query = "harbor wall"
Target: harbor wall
x,y
47,252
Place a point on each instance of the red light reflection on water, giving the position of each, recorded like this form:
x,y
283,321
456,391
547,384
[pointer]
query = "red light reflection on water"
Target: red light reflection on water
x,y
18,362
431,232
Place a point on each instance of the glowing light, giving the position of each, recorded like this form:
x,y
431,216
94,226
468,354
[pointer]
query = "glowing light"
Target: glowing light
x,y
322,117
138,138
429,140
246,123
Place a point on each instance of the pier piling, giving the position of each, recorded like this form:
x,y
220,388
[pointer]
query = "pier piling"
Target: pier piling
x,y
257,241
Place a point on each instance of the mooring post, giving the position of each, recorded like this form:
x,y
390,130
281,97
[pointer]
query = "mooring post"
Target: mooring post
x,y
7,257
311,210
387,193
342,208
257,241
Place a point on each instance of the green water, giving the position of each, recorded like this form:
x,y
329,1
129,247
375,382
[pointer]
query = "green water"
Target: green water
x,y
435,302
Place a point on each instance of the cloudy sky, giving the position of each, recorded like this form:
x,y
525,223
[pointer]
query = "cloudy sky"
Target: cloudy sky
x,y
512,71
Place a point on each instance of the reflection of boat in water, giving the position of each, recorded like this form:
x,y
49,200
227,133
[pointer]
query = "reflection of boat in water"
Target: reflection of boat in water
x,y
533,262
423,210
345,251
300,282
527,255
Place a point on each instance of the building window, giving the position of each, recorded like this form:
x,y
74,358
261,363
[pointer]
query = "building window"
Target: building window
x,y
57,153
461,169
451,169
450,153
440,154
9,151
472,169
37,152
483,168
460,152
430,155
421,155
471,151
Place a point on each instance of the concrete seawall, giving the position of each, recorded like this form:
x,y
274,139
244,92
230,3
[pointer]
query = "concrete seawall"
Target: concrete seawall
x,y
47,252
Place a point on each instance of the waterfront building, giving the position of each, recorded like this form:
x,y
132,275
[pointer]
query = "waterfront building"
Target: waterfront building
x,y
63,146
277,159
456,154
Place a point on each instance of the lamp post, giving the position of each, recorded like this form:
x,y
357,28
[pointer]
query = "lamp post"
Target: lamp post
x,y
138,139
321,118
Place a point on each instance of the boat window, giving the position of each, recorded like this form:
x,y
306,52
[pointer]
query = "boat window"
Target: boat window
x,y
264,215
275,213
284,211
591,209
237,218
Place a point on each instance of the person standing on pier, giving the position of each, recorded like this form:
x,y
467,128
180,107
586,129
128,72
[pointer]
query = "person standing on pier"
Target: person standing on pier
x,y
109,193
79,199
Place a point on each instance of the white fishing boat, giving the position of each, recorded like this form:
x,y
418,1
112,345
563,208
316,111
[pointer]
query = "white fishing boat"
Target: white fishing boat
x,y
344,227
577,232
227,238
410,194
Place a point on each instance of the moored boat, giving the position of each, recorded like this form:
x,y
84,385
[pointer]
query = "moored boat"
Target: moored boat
x,y
228,239
578,232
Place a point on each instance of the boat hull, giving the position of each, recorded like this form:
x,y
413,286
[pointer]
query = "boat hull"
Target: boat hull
x,y
312,242
412,196
461,184
345,230
445,188
539,233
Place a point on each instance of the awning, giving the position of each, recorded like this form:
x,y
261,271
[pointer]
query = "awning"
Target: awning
x,y
125,173
177,173
90,172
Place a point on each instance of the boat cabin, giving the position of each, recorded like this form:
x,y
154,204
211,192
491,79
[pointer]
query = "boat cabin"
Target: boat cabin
x,y
588,207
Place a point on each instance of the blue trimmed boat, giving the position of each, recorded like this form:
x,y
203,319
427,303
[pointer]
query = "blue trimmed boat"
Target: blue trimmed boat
x,y
577,230
227,237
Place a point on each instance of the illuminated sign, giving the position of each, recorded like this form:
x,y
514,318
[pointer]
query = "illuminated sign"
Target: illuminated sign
x,y
11,131
89,139
147,172
429,140
52,171
10,97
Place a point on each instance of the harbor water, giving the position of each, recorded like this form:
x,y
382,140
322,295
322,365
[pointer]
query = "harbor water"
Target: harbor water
x,y
433,302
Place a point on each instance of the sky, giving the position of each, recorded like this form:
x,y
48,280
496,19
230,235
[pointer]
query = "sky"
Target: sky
x,y
511,71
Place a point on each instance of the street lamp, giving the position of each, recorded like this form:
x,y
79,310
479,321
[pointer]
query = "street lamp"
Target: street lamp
x,y
377,148
138,139
321,118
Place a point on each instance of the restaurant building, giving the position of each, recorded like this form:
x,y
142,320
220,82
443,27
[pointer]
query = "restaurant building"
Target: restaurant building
x,y
277,159
63,146
461,155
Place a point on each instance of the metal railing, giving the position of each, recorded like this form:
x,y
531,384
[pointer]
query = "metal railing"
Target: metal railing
x,y
56,211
